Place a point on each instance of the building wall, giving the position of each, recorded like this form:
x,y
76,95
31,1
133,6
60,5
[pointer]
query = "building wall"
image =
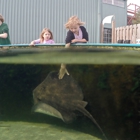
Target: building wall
x,y
27,18
120,14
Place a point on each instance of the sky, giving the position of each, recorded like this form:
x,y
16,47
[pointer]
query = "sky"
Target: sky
x,y
137,2
132,7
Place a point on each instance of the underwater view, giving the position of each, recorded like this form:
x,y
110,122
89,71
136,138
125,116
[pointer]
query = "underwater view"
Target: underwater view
x,y
99,100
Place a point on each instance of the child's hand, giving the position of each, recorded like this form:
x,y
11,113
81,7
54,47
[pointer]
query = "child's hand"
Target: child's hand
x,y
62,71
74,41
32,43
67,45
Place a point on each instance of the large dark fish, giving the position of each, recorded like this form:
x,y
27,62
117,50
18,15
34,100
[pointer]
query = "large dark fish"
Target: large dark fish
x,y
60,98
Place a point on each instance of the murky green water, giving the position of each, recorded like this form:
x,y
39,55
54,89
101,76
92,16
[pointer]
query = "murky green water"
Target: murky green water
x,y
109,79
70,56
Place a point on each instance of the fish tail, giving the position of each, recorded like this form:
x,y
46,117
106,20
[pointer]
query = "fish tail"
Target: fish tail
x,y
86,113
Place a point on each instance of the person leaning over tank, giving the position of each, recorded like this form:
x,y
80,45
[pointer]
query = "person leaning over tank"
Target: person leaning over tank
x,y
46,37
77,34
4,32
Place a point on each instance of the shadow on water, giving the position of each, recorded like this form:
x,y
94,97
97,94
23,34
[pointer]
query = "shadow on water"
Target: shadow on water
x,y
112,92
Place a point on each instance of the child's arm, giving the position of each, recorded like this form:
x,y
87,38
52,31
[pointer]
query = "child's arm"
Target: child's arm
x,y
85,36
52,42
35,42
32,43
62,71
79,40
67,45
69,38
3,35
85,33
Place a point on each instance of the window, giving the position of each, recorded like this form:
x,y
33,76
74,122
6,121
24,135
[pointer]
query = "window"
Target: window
x,y
107,35
119,3
107,1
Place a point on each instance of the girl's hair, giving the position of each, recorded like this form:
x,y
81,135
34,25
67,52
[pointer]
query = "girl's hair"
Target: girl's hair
x,y
74,20
1,18
42,33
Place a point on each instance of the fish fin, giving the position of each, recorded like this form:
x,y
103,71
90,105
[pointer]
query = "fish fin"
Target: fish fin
x,y
47,109
94,121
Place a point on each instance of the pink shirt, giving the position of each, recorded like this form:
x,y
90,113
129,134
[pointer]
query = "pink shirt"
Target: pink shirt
x,y
80,36
44,42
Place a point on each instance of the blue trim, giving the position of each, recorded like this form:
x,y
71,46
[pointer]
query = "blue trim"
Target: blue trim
x,y
76,44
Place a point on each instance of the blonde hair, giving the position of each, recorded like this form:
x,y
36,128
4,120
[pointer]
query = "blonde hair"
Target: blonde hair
x,y
74,20
42,33
1,18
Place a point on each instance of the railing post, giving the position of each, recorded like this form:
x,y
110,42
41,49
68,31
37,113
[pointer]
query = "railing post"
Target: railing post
x,y
113,31
102,33
134,34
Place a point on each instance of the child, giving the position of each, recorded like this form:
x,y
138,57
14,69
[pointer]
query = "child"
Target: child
x,y
46,37
77,33
4,32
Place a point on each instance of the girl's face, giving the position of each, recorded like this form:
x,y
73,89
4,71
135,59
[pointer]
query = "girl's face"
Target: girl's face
x,y
46,35
74,29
